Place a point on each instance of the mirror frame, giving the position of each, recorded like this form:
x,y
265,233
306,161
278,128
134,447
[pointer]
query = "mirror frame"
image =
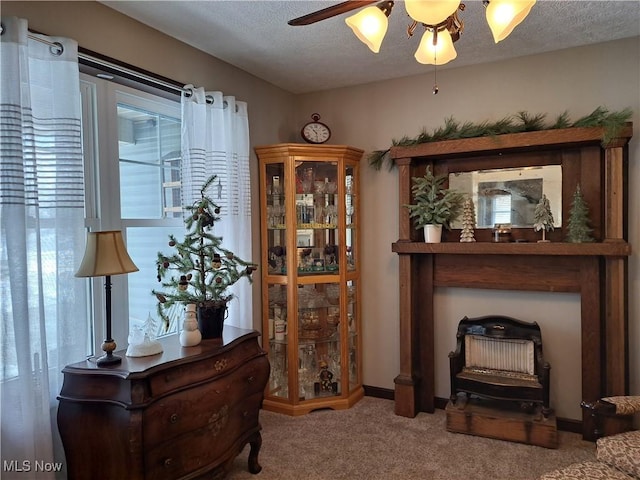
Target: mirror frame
x,y
579,166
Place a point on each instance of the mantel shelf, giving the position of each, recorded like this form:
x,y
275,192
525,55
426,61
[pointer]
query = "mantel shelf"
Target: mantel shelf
x,y
608,249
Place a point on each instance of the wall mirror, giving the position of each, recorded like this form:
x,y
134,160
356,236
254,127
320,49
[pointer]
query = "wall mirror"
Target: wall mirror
x,y
510,195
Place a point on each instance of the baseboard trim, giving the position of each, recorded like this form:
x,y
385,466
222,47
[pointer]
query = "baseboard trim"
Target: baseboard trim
x,y
564,424
378,392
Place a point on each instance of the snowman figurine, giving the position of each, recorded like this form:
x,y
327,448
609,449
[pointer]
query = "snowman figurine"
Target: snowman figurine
x,y
190,335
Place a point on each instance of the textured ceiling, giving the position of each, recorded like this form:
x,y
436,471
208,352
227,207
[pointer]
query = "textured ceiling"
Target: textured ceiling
x,y
254,36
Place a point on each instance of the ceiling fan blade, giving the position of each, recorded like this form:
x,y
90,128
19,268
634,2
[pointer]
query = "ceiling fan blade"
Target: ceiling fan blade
x,y
329,12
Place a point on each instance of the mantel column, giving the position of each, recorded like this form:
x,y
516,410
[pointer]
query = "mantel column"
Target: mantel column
x,y
407,403
615,298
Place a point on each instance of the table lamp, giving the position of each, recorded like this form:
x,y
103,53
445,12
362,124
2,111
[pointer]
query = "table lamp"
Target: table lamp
x,y
106,255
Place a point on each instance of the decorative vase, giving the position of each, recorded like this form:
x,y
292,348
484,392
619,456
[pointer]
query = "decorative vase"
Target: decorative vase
x,y
432,233
190,335
211,316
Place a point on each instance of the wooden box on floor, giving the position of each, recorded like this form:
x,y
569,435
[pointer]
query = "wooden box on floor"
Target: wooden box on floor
x,y
503,421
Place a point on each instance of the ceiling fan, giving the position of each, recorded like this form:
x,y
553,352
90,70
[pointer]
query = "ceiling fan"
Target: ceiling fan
x,y
439,18
436,16
332,11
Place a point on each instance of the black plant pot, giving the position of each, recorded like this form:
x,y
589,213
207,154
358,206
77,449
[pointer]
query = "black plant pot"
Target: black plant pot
x,y
211,316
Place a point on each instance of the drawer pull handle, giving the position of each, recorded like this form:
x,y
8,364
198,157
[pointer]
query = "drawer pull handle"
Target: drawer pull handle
x,y
251,379
245,414
173,418
168,462
220,364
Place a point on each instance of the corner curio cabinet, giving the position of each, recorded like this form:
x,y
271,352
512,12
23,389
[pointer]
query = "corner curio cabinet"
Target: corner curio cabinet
x,y
310,235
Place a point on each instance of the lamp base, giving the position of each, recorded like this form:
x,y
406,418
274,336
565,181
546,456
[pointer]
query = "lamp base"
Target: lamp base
x,y
108,360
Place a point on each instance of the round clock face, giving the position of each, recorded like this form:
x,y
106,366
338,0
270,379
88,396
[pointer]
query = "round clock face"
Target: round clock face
x,y
316,132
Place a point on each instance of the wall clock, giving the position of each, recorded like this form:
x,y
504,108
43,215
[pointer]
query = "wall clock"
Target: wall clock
x,y
315,131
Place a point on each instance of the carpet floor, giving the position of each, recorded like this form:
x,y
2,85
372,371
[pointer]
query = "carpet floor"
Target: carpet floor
x,y
370,442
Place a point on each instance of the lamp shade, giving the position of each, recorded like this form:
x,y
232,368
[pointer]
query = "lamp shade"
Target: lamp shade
x,y
105,254
431,12
439,54
505,15
370,26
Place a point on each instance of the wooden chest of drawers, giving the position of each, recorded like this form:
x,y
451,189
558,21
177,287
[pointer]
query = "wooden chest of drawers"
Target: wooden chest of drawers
x,y
180,414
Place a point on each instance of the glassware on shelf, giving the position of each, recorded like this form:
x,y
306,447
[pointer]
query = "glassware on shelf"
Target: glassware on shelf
x,y
304,214
350,212
331,187
275,216
351,264
306,186
308,174
276,188
332,215
278,378
349,185
320,215
308,369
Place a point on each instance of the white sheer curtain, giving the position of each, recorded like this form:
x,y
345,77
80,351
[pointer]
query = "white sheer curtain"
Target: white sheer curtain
x,y
215,140
42,240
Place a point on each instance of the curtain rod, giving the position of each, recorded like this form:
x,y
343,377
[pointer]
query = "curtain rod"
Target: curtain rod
x,y
90,59
93,60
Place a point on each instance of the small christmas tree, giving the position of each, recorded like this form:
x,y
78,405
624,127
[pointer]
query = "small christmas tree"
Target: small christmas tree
x,y
468,221
578,229
200,270
543,217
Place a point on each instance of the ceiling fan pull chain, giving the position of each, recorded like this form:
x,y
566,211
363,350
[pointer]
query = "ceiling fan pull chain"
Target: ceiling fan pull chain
x,y
435,75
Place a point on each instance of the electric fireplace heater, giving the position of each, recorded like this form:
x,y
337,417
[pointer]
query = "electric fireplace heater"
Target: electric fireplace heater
x,y
500,358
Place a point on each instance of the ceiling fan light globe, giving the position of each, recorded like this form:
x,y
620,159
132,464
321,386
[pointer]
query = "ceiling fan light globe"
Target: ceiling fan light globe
x,y
431,12
505,15
439,54
370,26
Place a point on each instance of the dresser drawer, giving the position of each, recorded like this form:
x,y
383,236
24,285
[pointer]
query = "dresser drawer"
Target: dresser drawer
x,y
204,369
204,405
227,426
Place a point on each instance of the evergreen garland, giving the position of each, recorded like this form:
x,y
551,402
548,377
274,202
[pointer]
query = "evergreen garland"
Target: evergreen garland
x,y
612,122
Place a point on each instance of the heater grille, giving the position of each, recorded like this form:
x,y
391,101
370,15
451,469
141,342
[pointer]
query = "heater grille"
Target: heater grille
x,y
507,355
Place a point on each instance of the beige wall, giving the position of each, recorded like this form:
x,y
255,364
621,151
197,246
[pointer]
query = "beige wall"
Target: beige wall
x,y
369,117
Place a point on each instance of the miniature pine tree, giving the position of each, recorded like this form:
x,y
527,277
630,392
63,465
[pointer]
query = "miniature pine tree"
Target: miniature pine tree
x,y
200,270
468,221
543,218
578,229
149,327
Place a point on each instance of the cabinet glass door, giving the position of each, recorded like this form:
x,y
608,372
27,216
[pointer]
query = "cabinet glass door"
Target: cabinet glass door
x,y
317,218
351,215
275,219
278,341
353,330
319,348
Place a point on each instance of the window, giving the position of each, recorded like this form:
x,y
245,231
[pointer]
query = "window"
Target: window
x,y
132,171
501,209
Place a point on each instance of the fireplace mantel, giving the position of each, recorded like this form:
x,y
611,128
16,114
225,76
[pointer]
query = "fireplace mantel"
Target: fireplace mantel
x,y
597,271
